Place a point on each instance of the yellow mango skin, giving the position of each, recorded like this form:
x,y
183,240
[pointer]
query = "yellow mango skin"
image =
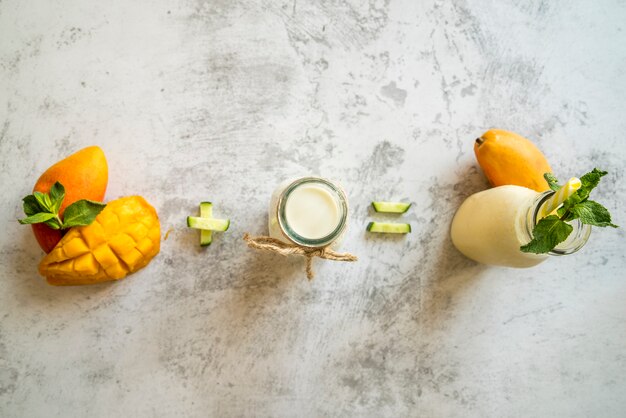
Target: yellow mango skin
x,y
123,238
507,158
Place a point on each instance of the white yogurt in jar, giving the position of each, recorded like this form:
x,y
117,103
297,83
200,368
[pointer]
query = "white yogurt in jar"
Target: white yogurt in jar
x,y
309,211
312,212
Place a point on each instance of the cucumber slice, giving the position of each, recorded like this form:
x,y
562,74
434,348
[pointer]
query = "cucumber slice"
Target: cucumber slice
x,y
391,207
206,235
389,228
208,223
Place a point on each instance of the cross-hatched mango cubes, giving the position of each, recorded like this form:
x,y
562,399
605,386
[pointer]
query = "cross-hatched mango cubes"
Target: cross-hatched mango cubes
x,y
124,237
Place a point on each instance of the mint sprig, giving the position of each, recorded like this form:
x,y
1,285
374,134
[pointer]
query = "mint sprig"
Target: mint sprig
x,y
44,208
554,229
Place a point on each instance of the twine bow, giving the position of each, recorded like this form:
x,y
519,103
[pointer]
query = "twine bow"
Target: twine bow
x,y
282,248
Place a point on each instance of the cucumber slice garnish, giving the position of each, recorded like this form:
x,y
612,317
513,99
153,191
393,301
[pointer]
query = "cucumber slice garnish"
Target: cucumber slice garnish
x,y
391,207
212,224
389,228
206,235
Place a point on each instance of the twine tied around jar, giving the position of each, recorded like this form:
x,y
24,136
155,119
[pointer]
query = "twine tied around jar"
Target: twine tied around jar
x,y
279,247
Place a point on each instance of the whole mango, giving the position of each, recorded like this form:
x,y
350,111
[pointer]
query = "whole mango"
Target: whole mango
x,y
84,174
123,238
507,158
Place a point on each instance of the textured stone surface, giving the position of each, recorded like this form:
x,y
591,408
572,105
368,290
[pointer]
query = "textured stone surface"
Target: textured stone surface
x,y
221,100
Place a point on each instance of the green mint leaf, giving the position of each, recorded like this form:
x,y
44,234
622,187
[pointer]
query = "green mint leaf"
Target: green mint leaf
x,y
81,212
560,211
31,205
589,182
44,201
37,218
44,208
592,213
548,233
553,183
565,211
57,194
54,223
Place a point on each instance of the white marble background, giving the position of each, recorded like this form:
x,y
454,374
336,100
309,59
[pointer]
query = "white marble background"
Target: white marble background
x,y
220,100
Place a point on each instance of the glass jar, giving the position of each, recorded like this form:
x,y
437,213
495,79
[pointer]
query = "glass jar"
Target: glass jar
x,y
490,226
282,218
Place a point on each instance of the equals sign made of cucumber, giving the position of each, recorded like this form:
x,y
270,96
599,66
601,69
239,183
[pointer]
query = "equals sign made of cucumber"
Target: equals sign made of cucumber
x,y
390,227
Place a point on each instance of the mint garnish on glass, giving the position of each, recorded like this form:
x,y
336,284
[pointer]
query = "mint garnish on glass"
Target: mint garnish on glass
x,y
554,229
44,208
